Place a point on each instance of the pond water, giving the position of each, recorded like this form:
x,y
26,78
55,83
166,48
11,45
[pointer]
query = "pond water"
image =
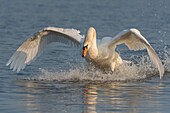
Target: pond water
x,y
59,81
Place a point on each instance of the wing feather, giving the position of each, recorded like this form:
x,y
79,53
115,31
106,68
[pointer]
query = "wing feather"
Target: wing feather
x,y
133,39
33,46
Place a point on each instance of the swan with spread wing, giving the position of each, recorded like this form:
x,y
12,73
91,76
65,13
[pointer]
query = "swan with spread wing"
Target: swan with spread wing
x,y
101,53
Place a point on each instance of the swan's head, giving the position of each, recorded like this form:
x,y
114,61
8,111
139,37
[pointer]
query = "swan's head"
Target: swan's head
x,y
89,40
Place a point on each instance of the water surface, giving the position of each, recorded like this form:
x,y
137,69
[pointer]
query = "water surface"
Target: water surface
x,y
58,81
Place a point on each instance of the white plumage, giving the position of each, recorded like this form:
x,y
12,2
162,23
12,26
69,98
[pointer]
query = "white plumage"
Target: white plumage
x,y
101,54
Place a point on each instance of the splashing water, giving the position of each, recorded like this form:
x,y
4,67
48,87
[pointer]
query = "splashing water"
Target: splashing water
x,y
123,73
140,68
166,57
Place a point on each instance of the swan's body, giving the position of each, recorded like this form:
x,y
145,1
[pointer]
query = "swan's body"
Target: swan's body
x,y
101,54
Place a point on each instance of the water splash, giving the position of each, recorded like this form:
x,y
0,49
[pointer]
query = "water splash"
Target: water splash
x,y
123,73
166,57
140,68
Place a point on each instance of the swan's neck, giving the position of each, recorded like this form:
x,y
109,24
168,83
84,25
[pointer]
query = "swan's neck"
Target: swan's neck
x,y
93,50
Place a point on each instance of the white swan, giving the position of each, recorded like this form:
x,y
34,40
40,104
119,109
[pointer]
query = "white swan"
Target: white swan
x,y
101,54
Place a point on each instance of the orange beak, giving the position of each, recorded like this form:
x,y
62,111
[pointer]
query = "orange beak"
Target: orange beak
x,y
84,51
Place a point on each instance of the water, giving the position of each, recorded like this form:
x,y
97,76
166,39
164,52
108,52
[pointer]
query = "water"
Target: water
x,y
59,82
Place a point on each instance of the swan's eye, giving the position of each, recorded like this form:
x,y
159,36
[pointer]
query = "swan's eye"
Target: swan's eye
x,y
85,47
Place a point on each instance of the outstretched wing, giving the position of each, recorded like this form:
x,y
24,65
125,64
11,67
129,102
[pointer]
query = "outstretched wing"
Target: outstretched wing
x,y
133,39
32,47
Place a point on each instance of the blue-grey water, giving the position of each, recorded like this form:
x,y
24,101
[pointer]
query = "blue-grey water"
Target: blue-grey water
x,y
58,81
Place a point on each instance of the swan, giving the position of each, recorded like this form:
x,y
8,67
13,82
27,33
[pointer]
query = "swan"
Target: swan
x,y
101,53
